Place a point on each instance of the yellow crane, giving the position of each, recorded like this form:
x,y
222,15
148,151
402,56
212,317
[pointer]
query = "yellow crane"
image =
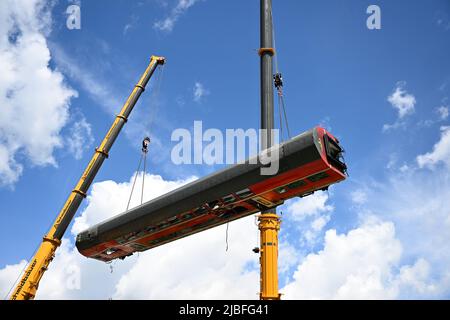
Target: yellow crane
x,y
29,282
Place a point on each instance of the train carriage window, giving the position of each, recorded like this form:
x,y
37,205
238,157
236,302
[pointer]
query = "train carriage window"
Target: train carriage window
x,y
138,246
186,230
121,240
228,199
200,211
245,193
296,184
291,186
141,233
318,176
186,216
164,225
281,190
131,238
214,205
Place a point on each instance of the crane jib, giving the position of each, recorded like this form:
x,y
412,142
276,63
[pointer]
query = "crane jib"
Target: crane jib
x,y
29,282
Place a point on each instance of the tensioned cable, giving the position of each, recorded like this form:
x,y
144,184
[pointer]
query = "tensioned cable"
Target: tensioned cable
x,y
285,116
134,182
156,94
143,176
281,103
281,118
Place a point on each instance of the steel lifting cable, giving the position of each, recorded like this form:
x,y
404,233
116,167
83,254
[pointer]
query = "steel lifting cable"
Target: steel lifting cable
x,y
134,182
143,177
281,102
145,144
278,81
156,94
280,117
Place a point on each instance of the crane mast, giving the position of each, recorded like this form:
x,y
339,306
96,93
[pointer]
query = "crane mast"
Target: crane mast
x,y
29,282
269,221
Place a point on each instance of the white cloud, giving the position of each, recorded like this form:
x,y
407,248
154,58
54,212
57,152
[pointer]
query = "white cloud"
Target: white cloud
x,y
98,90
34,98
8,275
359,196
403,102
364,266
167,24
288,257
199,92
440,153
134,19
309,206
415,279
443,112
361,260
416,201
396,125
312,212
197,267
80,137
320,222
145,118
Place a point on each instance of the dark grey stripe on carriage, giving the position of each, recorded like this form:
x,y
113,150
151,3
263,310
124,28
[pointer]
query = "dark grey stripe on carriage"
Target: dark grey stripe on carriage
x,y
296,152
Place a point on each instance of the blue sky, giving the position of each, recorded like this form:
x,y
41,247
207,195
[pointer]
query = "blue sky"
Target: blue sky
x,y
337,73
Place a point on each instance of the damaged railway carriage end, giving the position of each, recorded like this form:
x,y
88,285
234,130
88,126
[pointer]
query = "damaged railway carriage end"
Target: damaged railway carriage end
x,y
308,162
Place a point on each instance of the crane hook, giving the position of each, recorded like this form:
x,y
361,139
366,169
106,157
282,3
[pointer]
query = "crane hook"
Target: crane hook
x,y
145,144
278,80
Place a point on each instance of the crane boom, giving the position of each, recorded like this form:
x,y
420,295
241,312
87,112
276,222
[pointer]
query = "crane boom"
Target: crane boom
x,y
28,285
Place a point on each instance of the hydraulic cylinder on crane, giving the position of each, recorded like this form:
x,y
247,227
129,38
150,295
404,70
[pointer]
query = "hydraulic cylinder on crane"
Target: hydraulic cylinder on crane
x,y
29,283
